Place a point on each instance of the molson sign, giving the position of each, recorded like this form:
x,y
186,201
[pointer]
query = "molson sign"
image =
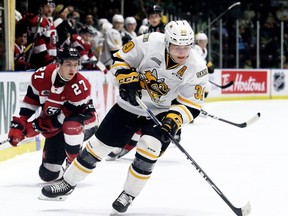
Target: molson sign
x,y
246,81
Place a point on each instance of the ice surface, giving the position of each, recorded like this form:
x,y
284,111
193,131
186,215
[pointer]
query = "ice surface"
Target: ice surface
x,y
246,164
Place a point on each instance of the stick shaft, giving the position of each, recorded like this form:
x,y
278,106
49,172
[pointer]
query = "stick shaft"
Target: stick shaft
x,y
237,211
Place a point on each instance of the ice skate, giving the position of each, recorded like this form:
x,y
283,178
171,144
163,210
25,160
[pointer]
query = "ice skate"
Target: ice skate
x,y
121,204
58,191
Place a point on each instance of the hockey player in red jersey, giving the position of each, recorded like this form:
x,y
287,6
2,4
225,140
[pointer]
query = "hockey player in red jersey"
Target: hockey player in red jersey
x,y
67,117
41,33
170,77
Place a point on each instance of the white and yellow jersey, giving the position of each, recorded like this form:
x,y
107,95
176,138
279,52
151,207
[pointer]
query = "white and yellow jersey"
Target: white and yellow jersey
x,y
112,42
201,52
163,80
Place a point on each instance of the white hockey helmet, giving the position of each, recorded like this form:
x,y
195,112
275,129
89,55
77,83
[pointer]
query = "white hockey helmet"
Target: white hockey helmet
x,y
201,36
143,29
101,22
106,27
130,20
178,33
118,18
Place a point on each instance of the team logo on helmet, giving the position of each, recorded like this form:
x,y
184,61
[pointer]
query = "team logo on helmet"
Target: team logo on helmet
x,y
279,81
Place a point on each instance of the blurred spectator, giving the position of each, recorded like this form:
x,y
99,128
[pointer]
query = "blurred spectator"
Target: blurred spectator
x,y
74,20
129,30
41,34
18,15
144,27
282,13
113,39
63,26
154,16
19,48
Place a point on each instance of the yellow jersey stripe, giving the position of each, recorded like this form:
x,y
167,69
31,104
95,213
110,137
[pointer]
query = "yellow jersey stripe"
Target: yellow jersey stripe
x,y
186,111
184,100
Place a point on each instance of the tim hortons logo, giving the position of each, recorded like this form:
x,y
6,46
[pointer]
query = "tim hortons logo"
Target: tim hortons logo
x,y
246,82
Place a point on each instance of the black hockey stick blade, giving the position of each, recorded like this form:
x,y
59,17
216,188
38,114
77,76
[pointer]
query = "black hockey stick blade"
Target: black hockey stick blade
x,y
223,86
4,141
244,211
240,125
244,124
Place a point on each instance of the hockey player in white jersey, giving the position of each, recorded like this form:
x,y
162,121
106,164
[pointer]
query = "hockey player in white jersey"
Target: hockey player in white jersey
x,y
170,77
201,41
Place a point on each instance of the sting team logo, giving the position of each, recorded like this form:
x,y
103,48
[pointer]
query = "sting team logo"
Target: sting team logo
x,y
279,81
155,87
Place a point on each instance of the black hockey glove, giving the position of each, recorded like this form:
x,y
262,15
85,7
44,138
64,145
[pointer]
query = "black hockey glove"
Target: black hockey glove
x,y
129,85
171,123
210,67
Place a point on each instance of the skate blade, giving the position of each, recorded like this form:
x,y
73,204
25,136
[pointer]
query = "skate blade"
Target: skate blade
x,y
59,198
111,158
115,213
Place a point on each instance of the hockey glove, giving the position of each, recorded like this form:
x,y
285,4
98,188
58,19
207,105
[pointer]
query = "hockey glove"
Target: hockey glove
x,y
210,67
129,85
16,132
42,125
171,123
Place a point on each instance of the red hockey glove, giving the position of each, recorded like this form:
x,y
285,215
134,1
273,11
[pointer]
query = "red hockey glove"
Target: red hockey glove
x,y
171,123
16,132
42,125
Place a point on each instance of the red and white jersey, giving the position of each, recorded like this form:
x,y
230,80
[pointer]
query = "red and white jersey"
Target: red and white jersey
x,y
45,50
20,57
72,98
84,48
18,50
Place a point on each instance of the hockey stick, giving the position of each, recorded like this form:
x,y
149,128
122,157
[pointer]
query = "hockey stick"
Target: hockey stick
x,y
99,64
27,48
240,125
34,40
245,210
4,141
224,86
223,13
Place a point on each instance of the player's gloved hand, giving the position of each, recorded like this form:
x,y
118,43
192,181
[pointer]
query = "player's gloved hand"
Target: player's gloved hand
x,y
210,67
129,85
16,132
171,123
42,125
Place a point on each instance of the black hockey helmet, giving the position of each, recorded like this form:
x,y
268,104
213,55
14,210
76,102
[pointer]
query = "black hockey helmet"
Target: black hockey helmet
x,y
85,29
155,9
47,2
68,53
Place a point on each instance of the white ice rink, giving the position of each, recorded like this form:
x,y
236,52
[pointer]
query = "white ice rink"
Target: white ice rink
x,y
249,164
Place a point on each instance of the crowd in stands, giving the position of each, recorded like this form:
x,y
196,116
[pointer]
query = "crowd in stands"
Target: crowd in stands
x,y
98,37
48,27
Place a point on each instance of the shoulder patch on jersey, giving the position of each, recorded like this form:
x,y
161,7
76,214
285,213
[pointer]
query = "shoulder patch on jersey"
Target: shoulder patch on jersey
x,y
128,46
146,37
202,73
158,61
